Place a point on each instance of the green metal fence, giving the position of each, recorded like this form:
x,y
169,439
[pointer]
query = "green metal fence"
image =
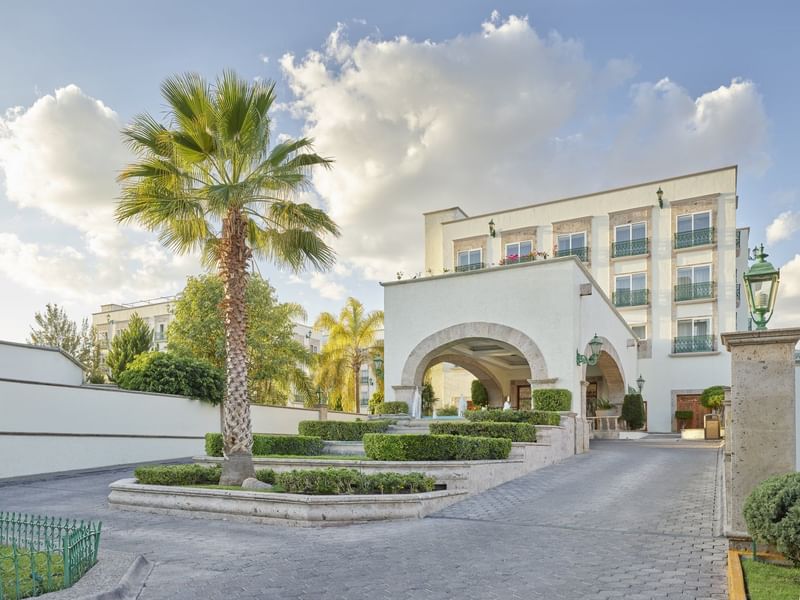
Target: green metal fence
x,y
42,554
582,253
695,237
630,247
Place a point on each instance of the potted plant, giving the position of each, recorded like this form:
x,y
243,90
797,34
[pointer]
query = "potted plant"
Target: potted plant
x,y
683,417
604,408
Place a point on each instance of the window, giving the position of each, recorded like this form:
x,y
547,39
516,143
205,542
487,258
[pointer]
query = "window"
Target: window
x,y
572,244
630,239
694,335
631,290
519,252
640,331
469,260
694,283
694,230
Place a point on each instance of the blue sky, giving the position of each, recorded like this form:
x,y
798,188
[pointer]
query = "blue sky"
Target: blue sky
x,y
551,98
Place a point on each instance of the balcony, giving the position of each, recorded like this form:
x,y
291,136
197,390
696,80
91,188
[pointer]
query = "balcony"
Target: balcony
x,y
515,259
470,267
694,291
696,237
364,380
582,253
631,297
630,248
693,343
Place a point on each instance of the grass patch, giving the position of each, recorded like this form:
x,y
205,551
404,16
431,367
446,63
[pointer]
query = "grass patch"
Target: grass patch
x,y
317,457
766,581
28,584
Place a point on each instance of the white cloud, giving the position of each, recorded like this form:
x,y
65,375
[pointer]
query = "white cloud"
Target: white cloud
x,y
783,227
493,119
326,287
263,58
787,305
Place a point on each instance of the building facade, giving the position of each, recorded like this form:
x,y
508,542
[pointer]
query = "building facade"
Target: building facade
x,y
667,254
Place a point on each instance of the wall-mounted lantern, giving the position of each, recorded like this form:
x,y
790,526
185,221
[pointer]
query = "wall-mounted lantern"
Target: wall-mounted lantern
x,y
492,231
640,383
378,362
660,194
761,286
596,344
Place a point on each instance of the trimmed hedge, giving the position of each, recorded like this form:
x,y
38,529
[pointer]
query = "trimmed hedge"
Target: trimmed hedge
x,y
301,445
177,474
684,415
516,432
552,399
342,431
350,481
166,373
534,417
772,514
382,446
447,411
391,408
633,411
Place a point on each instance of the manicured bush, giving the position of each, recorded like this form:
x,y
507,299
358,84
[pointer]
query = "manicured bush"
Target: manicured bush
x,y
263,444
374,401
382,446
683,415
772,514
177,474
447,411
713,397
350,481
391,408
534,417
342,430
554,399
166,373
516,432
633,411
479,394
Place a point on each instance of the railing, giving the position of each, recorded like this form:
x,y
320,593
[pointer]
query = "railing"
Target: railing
x,y
365,380
609,423
516,259
631,297
693,343
738,294
582,253
694,291
738,241
43,554
470,267
696,237
630,248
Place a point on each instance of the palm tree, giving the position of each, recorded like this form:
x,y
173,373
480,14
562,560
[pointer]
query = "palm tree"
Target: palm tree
x,y
207,180
352,338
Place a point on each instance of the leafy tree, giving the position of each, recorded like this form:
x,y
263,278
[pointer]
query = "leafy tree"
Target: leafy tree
x,y
713,397
428,398
94,361
207,180
166,373
276,360
479,394
352,340
374,401
633,411
56,330
129,343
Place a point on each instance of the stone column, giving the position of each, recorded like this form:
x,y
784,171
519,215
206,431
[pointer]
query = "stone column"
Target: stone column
x,y
761,434
404,393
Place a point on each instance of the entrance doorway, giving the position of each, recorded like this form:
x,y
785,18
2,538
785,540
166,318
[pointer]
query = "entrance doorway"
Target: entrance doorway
x,y
690,402
523,400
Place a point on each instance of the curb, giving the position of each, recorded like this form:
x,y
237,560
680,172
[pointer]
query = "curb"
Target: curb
x,y
130,585
736,589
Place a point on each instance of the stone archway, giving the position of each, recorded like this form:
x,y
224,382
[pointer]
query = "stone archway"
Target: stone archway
x,y
609,368
427,350
488,380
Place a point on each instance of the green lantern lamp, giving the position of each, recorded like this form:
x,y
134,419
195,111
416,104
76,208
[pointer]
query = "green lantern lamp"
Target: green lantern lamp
x,y
761,286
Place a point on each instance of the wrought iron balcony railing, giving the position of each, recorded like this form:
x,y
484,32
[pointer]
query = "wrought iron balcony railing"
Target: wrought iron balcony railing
x,y
514,259
582,253
694,291
470,267
631,297
693,343
630,248
696,237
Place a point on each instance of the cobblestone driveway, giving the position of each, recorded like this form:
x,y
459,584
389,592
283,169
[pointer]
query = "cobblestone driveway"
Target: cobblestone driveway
x,y
629,520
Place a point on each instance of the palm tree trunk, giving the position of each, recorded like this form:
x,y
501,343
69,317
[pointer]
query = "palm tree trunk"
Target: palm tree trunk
x,y
356,373
237,434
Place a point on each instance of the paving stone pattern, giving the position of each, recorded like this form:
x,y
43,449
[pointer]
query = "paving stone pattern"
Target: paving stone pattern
x,y
629,520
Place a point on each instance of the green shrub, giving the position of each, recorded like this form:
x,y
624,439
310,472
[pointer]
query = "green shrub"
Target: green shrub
x,y
377,398
263,444
447,411
683,415
552,399
342,430
382,446
265,475
479,394
534,417
177,474
772,514
713,397
166,373
633,411
391,408
516,432
349,481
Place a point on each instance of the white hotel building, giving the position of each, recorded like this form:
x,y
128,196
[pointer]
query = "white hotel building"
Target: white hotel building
x,y
654,269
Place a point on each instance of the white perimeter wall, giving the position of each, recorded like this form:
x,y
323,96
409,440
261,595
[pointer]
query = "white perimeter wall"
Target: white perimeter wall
x,y
46,428
35,363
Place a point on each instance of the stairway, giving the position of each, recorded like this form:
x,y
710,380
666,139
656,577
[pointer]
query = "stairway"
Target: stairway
x,y
412,426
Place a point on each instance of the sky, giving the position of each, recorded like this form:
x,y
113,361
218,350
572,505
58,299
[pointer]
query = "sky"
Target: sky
x,y
422,105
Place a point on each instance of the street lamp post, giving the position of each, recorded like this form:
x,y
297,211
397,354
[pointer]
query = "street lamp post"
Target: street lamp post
x,y
640,383
761,286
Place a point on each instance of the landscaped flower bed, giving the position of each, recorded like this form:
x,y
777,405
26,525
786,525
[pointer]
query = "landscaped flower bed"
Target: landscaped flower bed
x,y
264,444
534,417
411,447
516,432
342,431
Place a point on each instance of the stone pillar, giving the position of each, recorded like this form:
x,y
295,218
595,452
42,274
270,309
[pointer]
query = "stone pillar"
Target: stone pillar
x,y
404,393
761,434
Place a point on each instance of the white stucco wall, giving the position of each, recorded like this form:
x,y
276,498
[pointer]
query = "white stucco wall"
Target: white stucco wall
x,y
36,363
540,299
